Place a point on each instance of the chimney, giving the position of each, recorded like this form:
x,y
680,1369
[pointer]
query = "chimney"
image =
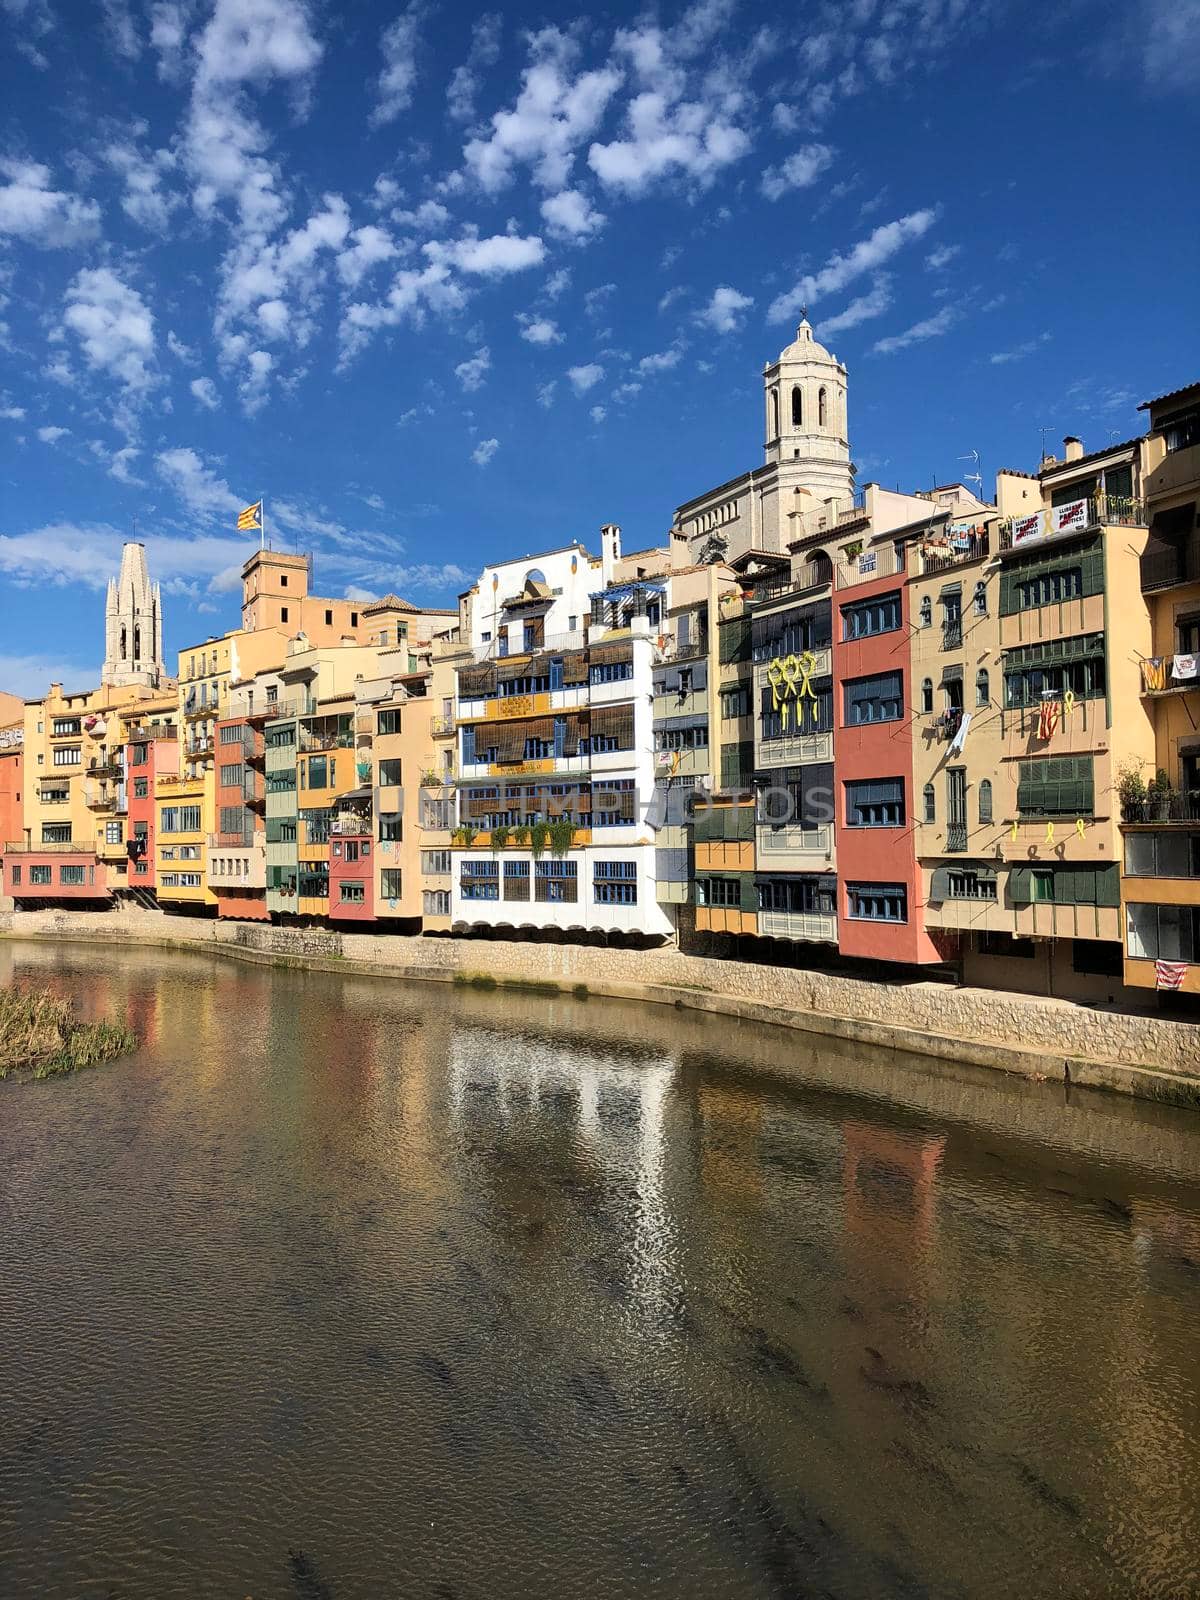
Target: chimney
x,y
610,552
1072,448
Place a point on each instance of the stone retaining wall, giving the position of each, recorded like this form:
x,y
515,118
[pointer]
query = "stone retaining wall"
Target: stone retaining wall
x,y
1020,1033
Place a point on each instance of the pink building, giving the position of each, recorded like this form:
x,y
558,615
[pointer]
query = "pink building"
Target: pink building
x,y
146,758
351,875
34,875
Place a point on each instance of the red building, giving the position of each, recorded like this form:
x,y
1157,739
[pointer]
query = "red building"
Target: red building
x,y
351,872
39,875
12,764
147,758
880,904
237,852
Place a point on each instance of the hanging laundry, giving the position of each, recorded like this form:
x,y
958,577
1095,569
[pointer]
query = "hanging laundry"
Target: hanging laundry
x,y
1187,666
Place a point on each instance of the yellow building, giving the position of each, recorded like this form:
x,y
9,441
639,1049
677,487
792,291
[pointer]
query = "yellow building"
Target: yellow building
x,y
1161,813
184,809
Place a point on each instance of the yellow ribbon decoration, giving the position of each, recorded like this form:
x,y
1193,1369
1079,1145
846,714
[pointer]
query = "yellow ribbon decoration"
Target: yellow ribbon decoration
x,y
1079,829
1049,833
790,677
1014,830
1068,704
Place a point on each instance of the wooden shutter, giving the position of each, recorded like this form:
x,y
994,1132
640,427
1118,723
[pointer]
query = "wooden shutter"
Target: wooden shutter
x,y
939,883
748,892
614,722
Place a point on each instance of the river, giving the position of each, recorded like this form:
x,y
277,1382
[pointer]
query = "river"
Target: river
x,y
343,1288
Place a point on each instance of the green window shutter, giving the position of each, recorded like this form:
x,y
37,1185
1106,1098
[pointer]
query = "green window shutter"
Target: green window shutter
x,y
749,900
939,883
1093,572
1108,886
1020,885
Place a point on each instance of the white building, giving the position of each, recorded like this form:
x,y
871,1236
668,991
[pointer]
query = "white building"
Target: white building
x,y
556,758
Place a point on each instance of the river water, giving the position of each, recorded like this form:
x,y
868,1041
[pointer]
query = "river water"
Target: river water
x,y
342,1288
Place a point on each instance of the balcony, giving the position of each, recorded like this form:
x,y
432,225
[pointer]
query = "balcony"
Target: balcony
x,y
1180,806
352,826
1075,517
952,634
945,724
230,841
1164,566
105,765
956,837
441,726
51,848
1162,675
99,796
807,925
882,561
955,553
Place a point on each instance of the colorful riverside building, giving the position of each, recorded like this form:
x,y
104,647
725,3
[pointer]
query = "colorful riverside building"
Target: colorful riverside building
x,y
1160,889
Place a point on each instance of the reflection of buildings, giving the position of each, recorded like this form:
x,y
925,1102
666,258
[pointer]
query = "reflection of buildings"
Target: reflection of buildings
x,y
889,1196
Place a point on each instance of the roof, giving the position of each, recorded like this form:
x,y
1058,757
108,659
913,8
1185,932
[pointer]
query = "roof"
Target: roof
x,y
1015,472
388,602
1173,394
740,563
1092,455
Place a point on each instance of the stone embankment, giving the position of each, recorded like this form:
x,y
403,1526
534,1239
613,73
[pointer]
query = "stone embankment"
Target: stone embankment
x,y
1036,1037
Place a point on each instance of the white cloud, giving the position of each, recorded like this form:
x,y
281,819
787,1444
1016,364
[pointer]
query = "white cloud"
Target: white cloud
x,y
181,352
799,171
784,118
1167,37
205,391
874,303
169,21
473,372
50,218
484,53
412,296
1019,352
930,328
545,395
12,413
369,246
31,676
662,362
937,259
595,300
431,216
553,114
490,258
398,43
114,326
723,313
585,377
570,215
664,138
52,435
841,270
557,283
144,200
597,414
539,330
122,29
484,451
197,484
253,386
90,553
120,466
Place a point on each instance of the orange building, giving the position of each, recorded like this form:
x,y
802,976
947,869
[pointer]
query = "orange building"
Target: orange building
x,y
12,766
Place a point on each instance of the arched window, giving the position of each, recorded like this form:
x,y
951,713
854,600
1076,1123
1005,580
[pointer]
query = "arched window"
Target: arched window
x,y
985,800
981,599
797,407
982,696
774,413
822,410
927,612
927,695
137,643
124,643
930,804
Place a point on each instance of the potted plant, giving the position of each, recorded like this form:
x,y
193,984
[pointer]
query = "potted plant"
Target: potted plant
x,y
464,834
430,778
500,837
363,768
520,835
561,834
1159,793
539,838
1131,791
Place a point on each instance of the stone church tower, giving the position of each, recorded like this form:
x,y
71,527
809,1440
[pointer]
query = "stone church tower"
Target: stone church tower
x,y
806,434
133,625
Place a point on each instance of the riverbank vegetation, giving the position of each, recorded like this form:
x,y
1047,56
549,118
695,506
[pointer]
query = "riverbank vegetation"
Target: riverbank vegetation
x,y
40,1034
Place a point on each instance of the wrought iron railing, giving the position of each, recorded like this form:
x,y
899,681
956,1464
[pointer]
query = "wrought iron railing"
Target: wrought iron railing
x,y
956,836
1171,806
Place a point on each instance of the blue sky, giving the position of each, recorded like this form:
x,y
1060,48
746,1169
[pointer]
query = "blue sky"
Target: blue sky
x,y
449,285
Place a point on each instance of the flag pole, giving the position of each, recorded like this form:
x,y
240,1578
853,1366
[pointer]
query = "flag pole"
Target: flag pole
x,y
262,522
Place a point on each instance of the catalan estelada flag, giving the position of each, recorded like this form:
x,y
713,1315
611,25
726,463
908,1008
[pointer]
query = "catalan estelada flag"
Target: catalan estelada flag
x,y
250,518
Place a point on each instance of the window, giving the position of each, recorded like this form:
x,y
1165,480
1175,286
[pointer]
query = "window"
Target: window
x,y
1042,580
610,672
435,813
822,408
1162,933
283,610
113,833
614,803
682,738
354,619
614,883
877,699
352,893
877,902
137,755
281,738
985,800
926,611
434,861
982,689
328,618
719,892
389,773
968,884
736,702
927,695
180,819
877,803
436,903
881,615
388,721
1055,786
16,877
797,796
1033,672
928,804
797,407
981,600
1182,431
390,884
1100,958
66,755
784,633
391,827
39,875
272,694
65,728
231,733
800,711
556,881
516,880
1084,884
56,833
70,875
232,775
1005,944
803,894
279,782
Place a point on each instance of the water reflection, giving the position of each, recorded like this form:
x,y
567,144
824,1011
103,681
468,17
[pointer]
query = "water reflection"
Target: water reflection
x,y
471,1294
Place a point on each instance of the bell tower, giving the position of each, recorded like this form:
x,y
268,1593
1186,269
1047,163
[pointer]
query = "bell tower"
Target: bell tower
x,y
806,431
133,624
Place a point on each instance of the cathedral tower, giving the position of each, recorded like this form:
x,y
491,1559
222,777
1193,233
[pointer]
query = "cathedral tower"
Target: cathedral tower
x,y
806,436
133,625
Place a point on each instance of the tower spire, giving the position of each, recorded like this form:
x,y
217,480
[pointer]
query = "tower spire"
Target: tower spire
x,y
132,624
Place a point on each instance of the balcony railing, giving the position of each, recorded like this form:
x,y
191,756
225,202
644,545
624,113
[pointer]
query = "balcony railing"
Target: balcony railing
x,y
881,561
65,848
350,825
1166,565
955,553
956,837
230,841
442,725
499,649
1099,511
1174,806
952,634
946,724
1169,674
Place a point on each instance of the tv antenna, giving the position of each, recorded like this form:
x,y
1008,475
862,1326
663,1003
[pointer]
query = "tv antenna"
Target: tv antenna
x,y
976,476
